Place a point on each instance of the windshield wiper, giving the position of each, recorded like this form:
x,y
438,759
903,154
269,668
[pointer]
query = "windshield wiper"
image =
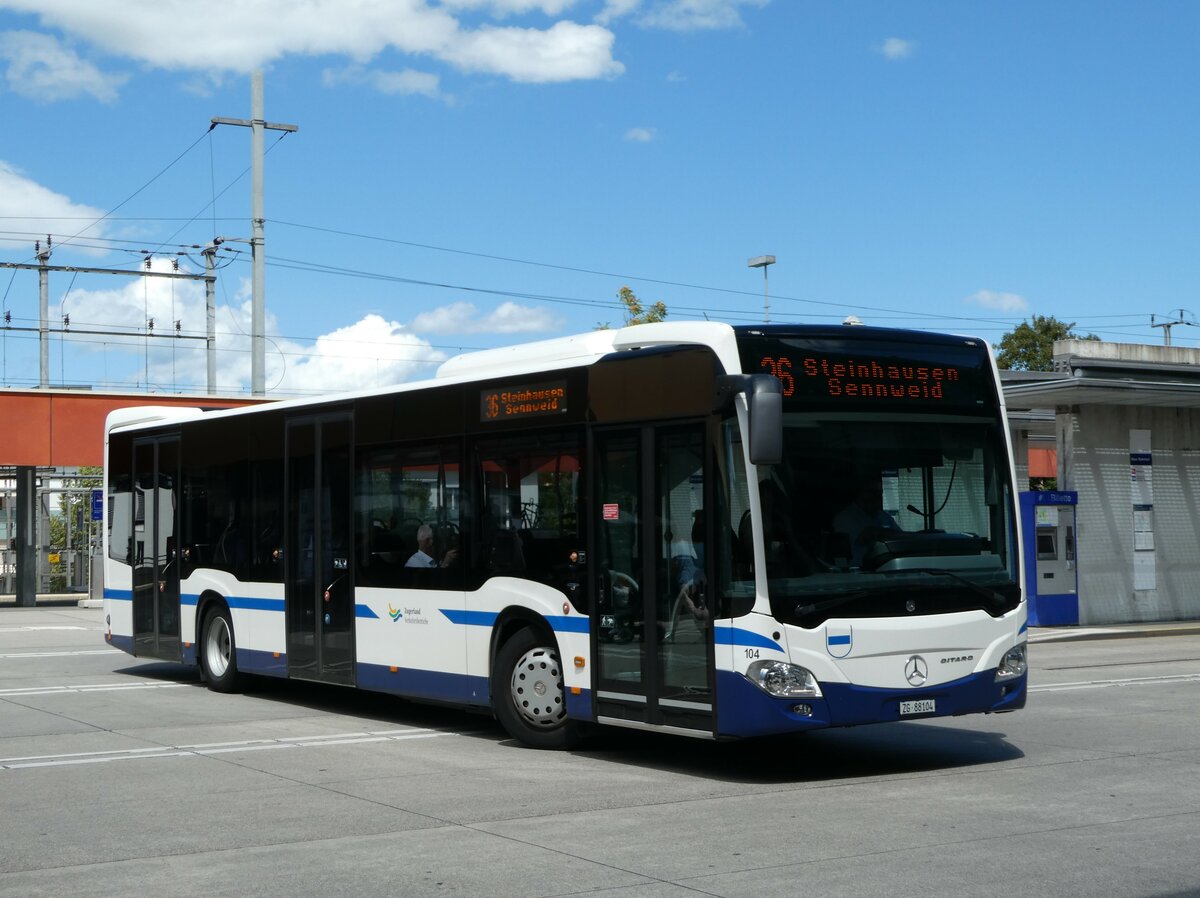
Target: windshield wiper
x,y
846,599
995,600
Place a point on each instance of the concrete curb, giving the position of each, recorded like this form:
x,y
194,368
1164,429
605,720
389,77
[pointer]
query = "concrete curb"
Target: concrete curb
x,y
1124,631
66,600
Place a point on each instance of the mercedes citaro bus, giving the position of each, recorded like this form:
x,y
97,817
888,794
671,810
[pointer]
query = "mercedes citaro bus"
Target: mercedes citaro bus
x,y
713,531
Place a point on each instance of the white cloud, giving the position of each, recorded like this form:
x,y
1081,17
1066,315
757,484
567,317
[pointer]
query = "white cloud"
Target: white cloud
x,y
1001,302
564,52
465,318
406,82
41,68
371,352
368,353
504,8
897,48
179,35
616,9
640,135
28,208
696,15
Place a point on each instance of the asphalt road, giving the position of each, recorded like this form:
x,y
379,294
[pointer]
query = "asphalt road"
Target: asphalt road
x,y
119,777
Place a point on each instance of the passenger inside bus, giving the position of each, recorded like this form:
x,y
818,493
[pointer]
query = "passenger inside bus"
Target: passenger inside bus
x,y
424,556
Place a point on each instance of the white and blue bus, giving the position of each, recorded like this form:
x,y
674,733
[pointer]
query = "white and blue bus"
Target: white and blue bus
x,y
693,528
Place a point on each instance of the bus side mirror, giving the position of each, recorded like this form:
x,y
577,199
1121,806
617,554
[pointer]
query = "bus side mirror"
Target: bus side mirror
x,y
764,397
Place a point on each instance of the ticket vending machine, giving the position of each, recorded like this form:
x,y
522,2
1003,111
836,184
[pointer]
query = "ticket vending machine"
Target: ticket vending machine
x,y
1051,572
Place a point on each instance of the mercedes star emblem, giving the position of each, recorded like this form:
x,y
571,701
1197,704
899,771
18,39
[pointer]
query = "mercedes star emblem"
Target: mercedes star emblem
x,y
916,671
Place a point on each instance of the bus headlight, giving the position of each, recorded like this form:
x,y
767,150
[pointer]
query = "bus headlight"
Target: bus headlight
x,y
783,680
1013,664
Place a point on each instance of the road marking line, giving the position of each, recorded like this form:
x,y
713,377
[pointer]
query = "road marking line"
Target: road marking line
x,y
1131,681
61,654
216,748
79,690
32,628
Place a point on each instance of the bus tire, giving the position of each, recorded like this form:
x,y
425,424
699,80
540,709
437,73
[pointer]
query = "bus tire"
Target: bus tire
x,y
528,694
218,651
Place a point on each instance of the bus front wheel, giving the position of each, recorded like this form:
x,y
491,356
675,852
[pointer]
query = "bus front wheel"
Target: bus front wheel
x,y
218,652
528,693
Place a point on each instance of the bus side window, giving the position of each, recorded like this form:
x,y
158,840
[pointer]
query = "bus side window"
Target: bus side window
x,y
407,513
530,494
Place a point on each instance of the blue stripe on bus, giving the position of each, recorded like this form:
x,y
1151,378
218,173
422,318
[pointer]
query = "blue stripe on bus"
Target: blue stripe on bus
x,y
560,623
1024,628
470,618
738,636
426,684
267,664
838,640
244,603
563,624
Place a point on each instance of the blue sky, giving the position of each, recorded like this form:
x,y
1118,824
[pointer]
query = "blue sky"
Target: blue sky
x,y
471,173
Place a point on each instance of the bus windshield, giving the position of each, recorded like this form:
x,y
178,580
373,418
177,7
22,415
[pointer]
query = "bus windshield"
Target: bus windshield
x,y
892,501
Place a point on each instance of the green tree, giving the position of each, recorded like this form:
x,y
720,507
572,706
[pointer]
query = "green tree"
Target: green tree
x,y
1030,345
635,312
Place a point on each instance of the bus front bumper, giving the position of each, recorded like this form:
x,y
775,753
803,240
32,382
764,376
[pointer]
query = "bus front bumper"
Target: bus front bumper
x,y
744,710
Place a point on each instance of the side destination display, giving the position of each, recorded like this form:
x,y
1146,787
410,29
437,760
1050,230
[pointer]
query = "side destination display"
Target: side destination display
x,y
523,401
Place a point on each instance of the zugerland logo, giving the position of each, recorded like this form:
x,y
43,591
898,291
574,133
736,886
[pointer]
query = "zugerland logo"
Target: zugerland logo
x,y
394,613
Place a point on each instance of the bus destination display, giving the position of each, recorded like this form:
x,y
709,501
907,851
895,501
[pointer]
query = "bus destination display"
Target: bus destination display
x,y
523,401
881,377
865,377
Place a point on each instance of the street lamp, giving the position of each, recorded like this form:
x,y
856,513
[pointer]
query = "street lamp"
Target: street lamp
x,y
762,262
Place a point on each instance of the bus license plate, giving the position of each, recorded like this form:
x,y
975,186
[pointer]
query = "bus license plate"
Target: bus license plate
x,y
921,706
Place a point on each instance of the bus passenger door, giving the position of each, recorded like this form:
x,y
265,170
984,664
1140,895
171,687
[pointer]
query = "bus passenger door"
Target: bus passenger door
x,y
654,645
319,576
155,548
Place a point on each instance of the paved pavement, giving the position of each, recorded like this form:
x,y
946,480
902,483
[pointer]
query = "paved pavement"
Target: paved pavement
x,y
125,777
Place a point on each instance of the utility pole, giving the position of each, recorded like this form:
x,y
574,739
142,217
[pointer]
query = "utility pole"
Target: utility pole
x,y
256,124
210,316
1167,325
43,257
763,262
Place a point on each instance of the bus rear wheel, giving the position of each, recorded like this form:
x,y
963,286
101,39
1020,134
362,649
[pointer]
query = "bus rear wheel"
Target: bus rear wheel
x,y
528,693
218,652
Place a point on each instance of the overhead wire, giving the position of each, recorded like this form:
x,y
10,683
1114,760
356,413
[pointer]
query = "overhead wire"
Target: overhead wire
x,y
157,175
903,316
628,277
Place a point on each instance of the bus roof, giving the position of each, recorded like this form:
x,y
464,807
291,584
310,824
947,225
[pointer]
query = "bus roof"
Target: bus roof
x,y
586,349
524,358
573,351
